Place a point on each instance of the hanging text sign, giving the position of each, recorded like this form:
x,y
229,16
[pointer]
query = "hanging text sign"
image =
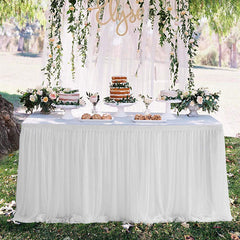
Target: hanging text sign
x,y
119,14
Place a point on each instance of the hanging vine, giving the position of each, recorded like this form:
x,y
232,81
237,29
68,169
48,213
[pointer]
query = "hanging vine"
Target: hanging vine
x,y
171,27
72,29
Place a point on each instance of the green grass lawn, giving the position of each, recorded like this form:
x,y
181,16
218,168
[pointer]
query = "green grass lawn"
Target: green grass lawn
x,y
114,230
13,98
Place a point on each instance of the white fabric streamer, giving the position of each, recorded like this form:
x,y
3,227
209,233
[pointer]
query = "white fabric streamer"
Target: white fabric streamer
x,y
118,55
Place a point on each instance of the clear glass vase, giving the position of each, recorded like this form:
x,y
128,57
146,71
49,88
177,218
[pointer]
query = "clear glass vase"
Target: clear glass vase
x,y
147,111
94,109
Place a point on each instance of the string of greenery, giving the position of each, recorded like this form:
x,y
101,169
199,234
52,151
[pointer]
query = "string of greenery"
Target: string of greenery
x,y
171,26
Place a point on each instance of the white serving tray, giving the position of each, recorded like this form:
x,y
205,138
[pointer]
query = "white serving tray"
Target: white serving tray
x,y
97,120
149,121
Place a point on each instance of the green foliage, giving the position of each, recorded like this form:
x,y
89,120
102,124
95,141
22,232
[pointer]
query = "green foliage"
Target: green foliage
x,y
114,230
120,85
12,98
23,11
203,98
128,99
222,15
79,27
44,98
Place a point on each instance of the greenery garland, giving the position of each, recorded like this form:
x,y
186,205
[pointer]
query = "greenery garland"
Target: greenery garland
x,y
72,29
170,29
53,67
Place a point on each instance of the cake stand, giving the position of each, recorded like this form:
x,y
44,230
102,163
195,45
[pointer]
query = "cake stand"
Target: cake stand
x,y
120,108
67,110
168,113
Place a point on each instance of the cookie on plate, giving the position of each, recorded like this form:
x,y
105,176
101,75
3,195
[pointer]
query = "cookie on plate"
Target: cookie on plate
x,y
96,116
106,116
86,116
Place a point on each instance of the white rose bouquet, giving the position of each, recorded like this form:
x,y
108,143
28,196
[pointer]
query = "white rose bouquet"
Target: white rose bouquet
x,y
201,97
39,97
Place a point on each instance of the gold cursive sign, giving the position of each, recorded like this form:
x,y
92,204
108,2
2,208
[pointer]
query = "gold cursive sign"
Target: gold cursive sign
x,y
118,14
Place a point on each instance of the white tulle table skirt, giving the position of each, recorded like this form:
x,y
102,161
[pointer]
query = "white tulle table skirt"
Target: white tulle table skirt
x,y
79,173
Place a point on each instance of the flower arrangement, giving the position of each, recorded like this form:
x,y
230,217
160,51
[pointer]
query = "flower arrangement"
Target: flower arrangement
x,y
147,101
200,97
40,97
46,98
94,99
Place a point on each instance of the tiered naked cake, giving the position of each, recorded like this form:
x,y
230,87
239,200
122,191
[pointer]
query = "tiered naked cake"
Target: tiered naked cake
x,y
119,89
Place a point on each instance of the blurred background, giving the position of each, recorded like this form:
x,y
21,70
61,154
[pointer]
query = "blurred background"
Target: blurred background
x,y
217,64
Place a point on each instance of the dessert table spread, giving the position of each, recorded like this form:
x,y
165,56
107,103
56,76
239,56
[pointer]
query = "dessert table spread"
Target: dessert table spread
x,y
81,172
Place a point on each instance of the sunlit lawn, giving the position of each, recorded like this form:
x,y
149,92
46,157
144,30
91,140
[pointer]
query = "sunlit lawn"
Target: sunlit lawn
x,y
114,230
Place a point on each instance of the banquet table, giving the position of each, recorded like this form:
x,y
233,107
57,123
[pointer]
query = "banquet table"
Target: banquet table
x,y
83,172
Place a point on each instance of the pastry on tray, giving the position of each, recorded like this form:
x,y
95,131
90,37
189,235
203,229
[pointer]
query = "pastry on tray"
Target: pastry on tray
x,y
107,116
96,116
87,116
155,117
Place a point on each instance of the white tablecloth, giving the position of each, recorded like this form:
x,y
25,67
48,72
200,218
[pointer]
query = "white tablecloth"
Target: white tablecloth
x,y
71,171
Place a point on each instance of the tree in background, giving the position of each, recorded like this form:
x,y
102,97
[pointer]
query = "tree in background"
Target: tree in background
x,y
25,15
22,10
223,17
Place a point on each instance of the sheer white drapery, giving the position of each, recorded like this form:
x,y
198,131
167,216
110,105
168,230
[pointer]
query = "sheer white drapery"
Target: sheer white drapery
x,y
118,55
76,172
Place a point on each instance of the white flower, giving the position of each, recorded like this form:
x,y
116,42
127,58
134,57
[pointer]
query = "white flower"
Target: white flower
x,y
39,92
151,7
190,16
93,99
191,40
199,100
185,94
148,100
95,94
206,92
192,103
181,96
49,89
207,98
33,98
